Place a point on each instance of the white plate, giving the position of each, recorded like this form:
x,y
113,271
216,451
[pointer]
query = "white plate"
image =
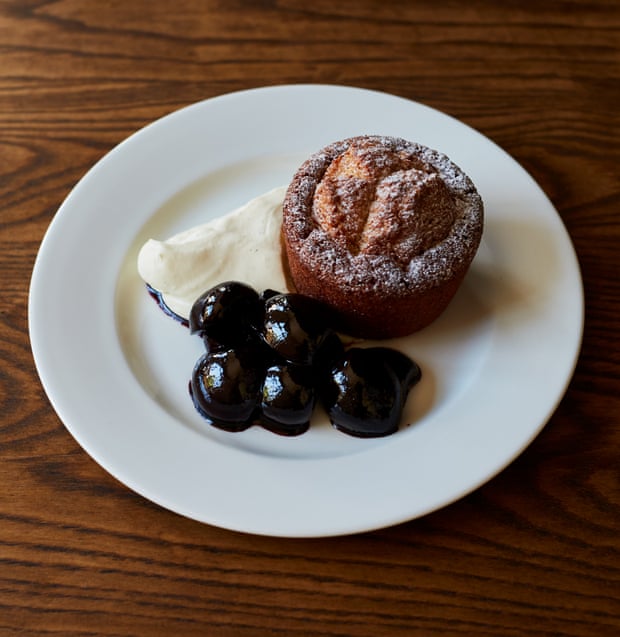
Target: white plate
x,y
116,369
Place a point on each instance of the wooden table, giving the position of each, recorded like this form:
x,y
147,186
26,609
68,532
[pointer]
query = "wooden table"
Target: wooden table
x,y
535,551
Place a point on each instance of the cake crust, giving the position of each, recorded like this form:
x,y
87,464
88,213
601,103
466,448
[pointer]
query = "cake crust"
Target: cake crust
x,y
383,230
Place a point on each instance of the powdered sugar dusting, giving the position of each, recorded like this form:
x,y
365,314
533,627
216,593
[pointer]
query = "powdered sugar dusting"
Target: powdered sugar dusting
x,y
388,257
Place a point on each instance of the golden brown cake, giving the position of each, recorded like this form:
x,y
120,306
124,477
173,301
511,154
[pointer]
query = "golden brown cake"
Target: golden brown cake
x,y
383,230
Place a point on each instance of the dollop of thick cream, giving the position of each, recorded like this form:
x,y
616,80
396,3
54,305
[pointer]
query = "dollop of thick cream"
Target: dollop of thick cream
x,y
243,245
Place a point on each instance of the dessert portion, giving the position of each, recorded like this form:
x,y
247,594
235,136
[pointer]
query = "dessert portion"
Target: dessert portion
x,y
383,231
270,358
378,233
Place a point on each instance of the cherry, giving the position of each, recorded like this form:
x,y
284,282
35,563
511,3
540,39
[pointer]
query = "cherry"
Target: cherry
x,y
366,390
295,327
225,312
287,399
225,387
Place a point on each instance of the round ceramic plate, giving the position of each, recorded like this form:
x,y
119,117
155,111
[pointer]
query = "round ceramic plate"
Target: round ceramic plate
x,y
116,369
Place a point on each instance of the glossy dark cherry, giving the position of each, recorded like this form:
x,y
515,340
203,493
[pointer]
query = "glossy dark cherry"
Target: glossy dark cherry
x,y
287,399
366,390
226,312
225,387
295,327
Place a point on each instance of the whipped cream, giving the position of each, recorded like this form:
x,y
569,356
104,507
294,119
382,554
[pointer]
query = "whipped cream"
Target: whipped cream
x,y
243,245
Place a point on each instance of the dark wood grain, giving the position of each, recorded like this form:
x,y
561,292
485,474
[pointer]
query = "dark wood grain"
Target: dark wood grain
x,y
536,550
